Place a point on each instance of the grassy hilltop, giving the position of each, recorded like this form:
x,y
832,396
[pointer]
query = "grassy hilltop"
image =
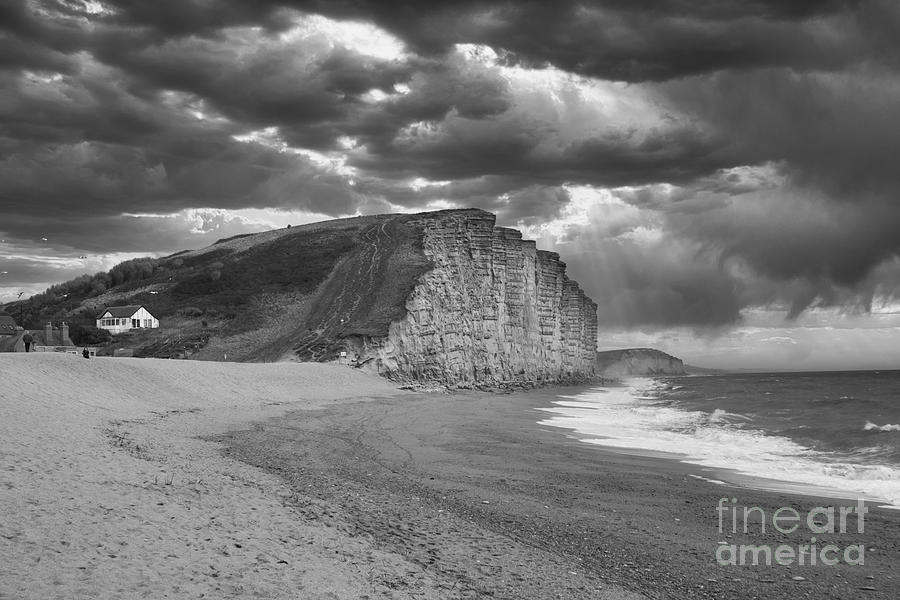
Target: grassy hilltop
x,y
292,292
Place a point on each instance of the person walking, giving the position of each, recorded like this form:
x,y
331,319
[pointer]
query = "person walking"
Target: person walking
x,y
85,353
28,340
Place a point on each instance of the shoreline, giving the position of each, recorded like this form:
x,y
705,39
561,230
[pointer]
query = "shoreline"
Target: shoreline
x,y
724,476
465,481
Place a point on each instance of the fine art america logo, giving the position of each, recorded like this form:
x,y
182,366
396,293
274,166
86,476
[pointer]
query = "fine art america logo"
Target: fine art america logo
x,y
821,520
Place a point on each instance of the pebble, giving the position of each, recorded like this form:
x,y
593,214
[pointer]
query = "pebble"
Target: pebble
x,y
798,578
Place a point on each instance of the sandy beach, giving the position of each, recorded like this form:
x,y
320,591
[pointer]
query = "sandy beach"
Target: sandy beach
x,y
127,478
108,492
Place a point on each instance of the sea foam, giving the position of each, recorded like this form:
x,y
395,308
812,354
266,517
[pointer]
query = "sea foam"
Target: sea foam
x,y
870,426
631,418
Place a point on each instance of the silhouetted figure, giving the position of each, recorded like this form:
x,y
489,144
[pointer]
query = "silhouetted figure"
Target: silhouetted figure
x,y
85,353
28,340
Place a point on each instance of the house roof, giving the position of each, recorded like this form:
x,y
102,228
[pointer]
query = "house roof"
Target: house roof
x,y
123,311
7,325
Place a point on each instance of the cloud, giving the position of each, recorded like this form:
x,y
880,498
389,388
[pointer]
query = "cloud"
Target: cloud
x,y
608,39
691,161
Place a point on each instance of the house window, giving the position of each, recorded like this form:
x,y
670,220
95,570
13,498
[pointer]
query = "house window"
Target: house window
x,y
135,322
148,323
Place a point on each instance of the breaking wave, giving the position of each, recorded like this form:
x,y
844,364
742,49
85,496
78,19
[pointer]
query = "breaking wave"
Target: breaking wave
x,y
870,426
633,417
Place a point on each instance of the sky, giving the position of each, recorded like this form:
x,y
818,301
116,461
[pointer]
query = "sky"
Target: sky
x,y
721,176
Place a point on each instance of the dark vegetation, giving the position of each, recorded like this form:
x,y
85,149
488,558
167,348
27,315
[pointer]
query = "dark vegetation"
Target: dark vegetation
x,y
224,283
63,302
88,335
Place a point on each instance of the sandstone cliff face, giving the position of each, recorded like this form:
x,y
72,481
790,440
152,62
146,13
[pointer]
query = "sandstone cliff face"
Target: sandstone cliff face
x,y
493,309
636,362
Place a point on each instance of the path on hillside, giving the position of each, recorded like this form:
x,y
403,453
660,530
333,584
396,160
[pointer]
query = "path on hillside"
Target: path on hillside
x,y
348,295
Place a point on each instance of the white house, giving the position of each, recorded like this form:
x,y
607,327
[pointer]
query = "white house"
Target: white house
x,y
117,319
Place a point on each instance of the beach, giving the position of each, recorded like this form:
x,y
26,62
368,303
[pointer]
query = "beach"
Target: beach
x,y
471,487
108,492
154,478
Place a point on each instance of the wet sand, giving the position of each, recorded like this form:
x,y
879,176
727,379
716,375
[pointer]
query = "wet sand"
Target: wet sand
x,y
489,504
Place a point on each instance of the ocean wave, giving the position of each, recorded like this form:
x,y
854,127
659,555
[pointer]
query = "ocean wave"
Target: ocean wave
x,y
870,426
620,419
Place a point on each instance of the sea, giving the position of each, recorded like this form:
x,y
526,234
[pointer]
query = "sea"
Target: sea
x,y
834,434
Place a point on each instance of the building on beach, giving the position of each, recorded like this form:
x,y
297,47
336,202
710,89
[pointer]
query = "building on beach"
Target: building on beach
x,y
118,319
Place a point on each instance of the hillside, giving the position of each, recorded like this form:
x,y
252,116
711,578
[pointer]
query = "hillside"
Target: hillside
x,y
248,297
636,362
442,296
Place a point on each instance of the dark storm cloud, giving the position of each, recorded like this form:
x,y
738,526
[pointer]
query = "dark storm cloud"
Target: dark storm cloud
x,y
809,252
821,234
261,84
839,130
142,108
611,39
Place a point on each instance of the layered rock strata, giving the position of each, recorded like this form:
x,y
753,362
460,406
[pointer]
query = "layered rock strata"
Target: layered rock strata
x,y
492,310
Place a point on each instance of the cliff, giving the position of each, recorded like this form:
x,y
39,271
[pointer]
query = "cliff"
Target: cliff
x,y
492,309
636,362
439,297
